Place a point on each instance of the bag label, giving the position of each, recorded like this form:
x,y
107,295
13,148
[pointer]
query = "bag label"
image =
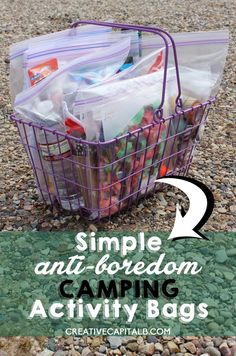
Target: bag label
x,y
55,151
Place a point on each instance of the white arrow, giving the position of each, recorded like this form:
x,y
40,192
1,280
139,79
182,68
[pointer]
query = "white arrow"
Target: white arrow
x,y
198,203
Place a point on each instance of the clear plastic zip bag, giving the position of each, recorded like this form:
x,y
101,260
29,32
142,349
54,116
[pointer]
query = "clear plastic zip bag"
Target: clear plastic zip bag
x,y
17,50
204,51
42,60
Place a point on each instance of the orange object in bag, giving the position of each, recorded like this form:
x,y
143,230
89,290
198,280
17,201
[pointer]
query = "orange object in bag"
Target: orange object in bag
x,y
41,71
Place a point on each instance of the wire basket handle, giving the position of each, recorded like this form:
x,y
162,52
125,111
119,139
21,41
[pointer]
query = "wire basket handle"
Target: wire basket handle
x,y
162,34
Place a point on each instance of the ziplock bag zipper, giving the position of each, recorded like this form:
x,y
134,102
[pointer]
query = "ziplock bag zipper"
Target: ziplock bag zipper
x,y
217,37
19,48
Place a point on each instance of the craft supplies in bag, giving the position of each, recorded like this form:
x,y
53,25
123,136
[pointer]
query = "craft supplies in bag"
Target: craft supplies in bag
x,y
42,70
204,50
76,74
64,52
17,50
100,107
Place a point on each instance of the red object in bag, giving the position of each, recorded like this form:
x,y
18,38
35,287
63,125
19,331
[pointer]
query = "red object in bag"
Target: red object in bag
x,y
158,64
41,71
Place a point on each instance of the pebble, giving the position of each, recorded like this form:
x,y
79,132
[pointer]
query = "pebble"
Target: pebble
x,y
96,341
222,210
172,347
224,349
3,353
114,341
69,340
232,209
51,345
158,347
147,349
229,276
221,256
86,352
152,338
127,339
212,351
59,353
217,341
233,350
190,347
102,349
92,228
46,352
132,346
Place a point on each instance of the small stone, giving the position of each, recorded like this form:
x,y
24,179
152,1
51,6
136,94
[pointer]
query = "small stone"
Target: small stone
x,y
114,341
129,353
182,348
204,355
224,349
158,347
96,341
92,228
232,208
86,352
190,347
46,352
123,350
209,343
233,350
172,347
152,338
132,346
28,207
128,339
139,340
221,256
229,276
222,210
2,198
117,352
59,353
147,349
102,349
166,352
231,252
51,345
217,341
69,340
212,351
231,342
213,326
3,353
74,353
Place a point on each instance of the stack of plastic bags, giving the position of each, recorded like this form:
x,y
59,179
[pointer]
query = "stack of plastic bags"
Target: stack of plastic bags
x,y
96,84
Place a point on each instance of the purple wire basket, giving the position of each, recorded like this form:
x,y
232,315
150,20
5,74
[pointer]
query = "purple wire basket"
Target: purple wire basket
x,y
98,179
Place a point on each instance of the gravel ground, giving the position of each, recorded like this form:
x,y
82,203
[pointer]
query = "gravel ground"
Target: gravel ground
x,y
214,163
